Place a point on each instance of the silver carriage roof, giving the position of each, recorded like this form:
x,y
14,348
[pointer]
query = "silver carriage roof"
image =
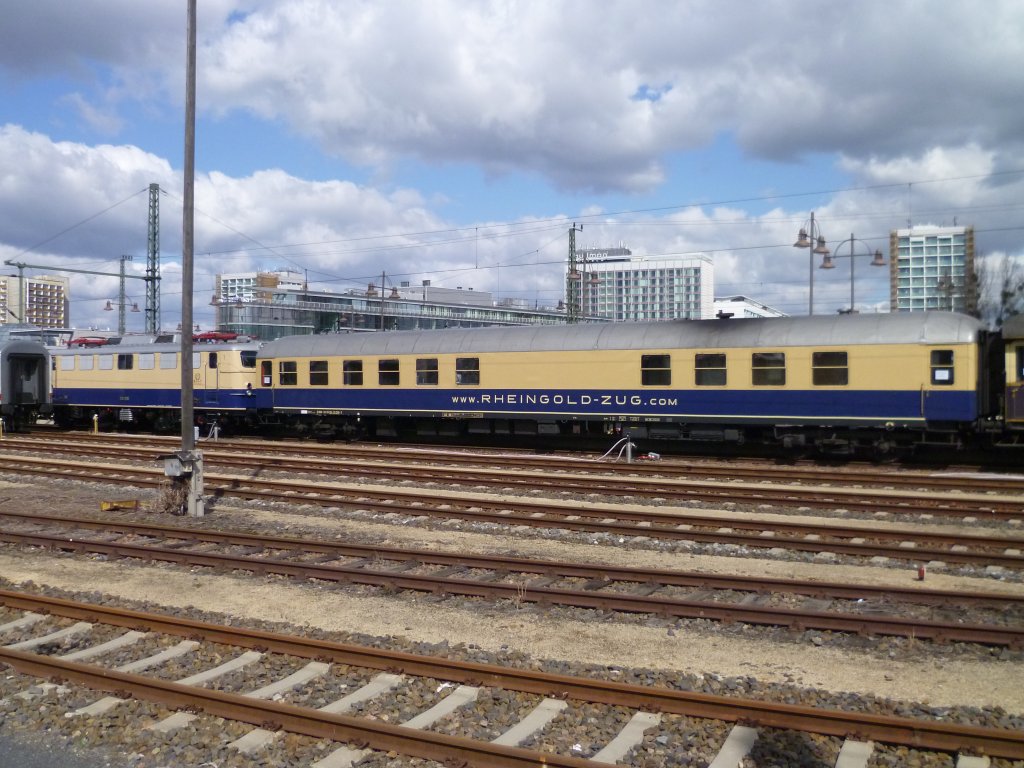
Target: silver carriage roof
x,y
831,330
137,346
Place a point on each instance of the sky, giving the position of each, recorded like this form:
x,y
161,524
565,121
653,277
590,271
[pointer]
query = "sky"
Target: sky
x,y
459,141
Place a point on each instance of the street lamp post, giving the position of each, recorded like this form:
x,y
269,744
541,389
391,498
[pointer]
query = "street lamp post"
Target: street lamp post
x,y
877,260
810,237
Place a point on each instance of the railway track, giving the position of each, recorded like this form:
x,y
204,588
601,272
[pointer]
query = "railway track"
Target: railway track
x,y
284,684
896,543
661,479
984,618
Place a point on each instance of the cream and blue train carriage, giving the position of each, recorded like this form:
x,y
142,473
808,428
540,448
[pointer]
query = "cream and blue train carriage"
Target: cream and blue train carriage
x,y
24,377
839,381
136,383
1013,336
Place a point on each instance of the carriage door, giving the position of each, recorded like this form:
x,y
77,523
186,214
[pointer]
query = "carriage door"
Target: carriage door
x,y
1015,383
212,379
941,377
26,380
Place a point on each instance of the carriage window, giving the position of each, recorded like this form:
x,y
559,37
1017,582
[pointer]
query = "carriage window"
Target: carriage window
x,y
85,363
106,362
1020,364
467,370
426,371
168,360
655,370
942,367
768,369
124,362
248,358
67,363
387,373
352,371
710,370
147,361
829,369
288,373
318,373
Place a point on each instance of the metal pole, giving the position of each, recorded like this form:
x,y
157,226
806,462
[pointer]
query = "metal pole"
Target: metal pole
x,y
810,257
852,244
191,459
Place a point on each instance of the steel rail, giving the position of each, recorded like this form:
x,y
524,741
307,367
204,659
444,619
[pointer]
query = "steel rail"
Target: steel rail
x,y
794,618
660,525
751,493
665,469
916,733
548,568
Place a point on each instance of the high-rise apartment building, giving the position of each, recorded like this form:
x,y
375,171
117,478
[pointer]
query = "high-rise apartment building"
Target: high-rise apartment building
x,y
43,303
616,285
933,268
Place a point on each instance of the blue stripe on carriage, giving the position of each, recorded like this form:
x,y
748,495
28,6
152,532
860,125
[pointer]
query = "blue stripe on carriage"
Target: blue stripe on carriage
x,y
870,405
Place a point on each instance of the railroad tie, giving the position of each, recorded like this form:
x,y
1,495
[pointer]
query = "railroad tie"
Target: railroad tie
x,y
968,761
345,757
631,735
180,719
737,746
259,737
107,703
855,754
537,719
54,637
25,621
132,636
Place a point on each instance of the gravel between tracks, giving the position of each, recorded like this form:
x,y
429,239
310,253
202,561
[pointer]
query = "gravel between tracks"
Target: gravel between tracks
x,y
934,680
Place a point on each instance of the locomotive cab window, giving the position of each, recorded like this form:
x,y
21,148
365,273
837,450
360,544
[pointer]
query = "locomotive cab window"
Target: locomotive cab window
x,y
467,370
287,373
124,362
942,367
387,373
768,369
318,373
830,369
709,370
655,370
426,371
352,373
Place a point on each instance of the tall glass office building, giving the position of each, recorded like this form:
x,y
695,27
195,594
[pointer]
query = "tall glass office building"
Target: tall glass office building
x,y
933,268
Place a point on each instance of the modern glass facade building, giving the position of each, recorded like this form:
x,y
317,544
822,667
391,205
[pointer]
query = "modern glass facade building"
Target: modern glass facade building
x,y
933,268
269,305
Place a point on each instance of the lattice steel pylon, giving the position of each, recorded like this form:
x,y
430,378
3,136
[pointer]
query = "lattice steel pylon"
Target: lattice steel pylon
x,y
573,287
153,262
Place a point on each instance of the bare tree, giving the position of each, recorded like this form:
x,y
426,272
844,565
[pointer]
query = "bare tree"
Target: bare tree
x,y
1001,279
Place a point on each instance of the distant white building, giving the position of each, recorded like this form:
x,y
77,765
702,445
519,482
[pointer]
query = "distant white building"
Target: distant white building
x,y
933,267
744,306
41,300
616,285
